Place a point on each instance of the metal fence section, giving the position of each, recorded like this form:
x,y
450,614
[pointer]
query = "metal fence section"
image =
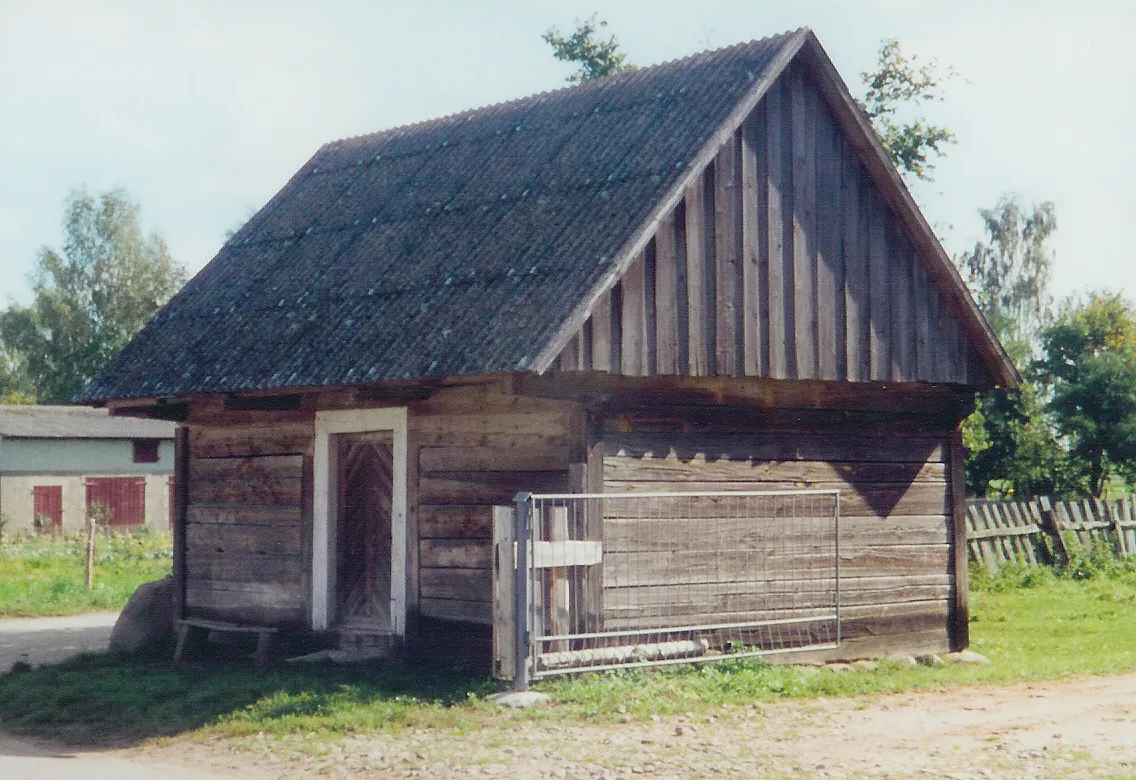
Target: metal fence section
x,y
647,579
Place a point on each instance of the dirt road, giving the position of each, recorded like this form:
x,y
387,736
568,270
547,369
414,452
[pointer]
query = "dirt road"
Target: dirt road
x,y
1083,728
22,759
50,640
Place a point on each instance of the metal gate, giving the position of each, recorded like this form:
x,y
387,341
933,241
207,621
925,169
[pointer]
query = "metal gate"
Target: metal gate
x,y
586,582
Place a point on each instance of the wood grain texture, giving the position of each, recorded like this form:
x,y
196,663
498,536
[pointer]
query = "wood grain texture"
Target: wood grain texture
x,y
666,299
633,320
779,211
244,441
788,263
696,293
260,479
727,260
805,301
182,450
959,622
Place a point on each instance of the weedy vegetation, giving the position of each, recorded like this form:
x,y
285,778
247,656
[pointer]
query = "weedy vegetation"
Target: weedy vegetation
x,y
44,575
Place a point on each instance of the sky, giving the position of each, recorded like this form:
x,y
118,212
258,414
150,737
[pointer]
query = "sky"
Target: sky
x,y
202,110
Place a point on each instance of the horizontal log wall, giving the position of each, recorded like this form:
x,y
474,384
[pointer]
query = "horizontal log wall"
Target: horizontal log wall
x,y
471,449
248,522
781,261
895,529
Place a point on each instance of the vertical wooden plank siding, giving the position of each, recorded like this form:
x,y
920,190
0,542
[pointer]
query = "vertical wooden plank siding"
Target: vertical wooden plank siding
x,y
601,334
666,299
651,328
633,325
727,264
781,260
181,487
900,269
805,303
830,268
924,362
753,242
570,357
879,291
696,279
778,206
857,301
683,303
709,310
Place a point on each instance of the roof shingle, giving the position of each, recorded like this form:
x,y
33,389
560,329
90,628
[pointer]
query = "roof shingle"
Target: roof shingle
x,y
454,246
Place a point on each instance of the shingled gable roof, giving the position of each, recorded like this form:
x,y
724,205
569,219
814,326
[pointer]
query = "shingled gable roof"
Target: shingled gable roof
x,y
476,243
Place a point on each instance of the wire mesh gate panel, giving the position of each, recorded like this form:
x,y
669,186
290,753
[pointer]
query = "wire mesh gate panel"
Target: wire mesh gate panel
x,y
646,579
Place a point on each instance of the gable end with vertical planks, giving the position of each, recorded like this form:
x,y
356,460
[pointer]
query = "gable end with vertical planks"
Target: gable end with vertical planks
x,y
781,260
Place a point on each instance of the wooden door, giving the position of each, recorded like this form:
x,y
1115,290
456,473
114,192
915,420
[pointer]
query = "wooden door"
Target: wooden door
x,y
117,501
48,511
363,538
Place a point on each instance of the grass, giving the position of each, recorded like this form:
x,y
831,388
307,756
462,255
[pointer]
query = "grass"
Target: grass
x,y
41,576
1033,625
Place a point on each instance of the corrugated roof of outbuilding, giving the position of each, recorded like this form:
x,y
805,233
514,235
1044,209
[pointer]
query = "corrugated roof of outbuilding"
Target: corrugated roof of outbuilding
x,y
454,246
77,422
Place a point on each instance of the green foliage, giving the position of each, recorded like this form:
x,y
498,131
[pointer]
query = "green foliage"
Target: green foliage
x,y
91,297
1096,561
594,57
1009,273
1012,448
1009,577
1088,361
45,576
897,86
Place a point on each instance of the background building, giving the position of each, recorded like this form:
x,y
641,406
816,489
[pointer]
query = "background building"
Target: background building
x,y
56,461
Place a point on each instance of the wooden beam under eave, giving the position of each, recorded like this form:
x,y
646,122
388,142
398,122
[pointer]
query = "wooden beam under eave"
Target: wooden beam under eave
x,y
944,400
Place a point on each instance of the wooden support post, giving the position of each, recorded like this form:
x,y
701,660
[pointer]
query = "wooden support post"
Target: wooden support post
x,y
180,509
558,605
959,615
90,563
1112,515
522,531
1052,528
504,634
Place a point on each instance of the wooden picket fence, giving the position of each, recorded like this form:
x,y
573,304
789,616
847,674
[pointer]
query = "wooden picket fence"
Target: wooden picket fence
x,y
1039,532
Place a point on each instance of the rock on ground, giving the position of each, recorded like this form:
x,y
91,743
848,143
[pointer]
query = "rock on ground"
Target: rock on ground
x,y
148,618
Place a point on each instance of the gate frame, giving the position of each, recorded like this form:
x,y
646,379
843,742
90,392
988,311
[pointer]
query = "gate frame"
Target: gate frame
x,y
524,657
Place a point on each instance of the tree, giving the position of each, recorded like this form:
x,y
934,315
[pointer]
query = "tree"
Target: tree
x,y
1089,363
90,297
15,384
1012,447
1009,274
898,83
594,57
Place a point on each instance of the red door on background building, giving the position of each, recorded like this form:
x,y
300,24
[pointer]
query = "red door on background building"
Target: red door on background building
x,y
123,499
48,507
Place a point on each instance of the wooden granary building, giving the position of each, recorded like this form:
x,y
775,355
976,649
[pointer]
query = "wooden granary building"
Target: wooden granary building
x,y
699,275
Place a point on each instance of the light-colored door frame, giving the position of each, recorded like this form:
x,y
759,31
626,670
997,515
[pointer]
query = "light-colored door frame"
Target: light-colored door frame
x,y
325,511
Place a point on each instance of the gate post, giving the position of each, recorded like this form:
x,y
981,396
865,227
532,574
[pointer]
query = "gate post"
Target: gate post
x,y
523,535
